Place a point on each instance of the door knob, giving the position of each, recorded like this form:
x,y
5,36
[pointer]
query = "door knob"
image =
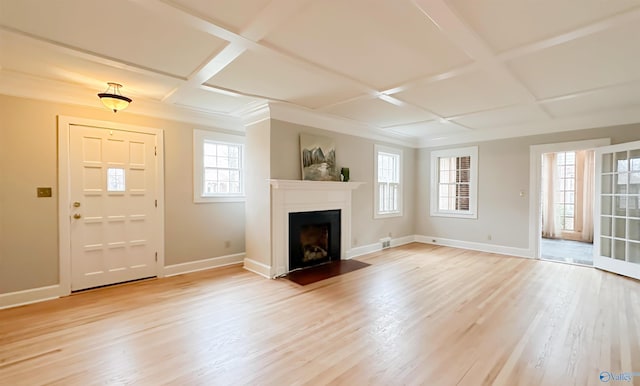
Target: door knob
x,y
77,215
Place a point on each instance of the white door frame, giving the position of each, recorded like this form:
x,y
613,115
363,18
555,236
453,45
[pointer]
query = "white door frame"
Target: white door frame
x,y
535,176
64,191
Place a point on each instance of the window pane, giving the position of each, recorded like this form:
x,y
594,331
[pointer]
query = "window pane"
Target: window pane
x,y
463,176
223,150
568,223
571,158
462,190
115,180
463,162
209,149
462,204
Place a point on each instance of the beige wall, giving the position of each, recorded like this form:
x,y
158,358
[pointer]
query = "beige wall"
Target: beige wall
x,y
28,225
28,159
357,154
503,172
258,205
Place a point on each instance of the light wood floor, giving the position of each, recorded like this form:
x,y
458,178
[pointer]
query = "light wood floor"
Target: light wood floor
x,y
419,314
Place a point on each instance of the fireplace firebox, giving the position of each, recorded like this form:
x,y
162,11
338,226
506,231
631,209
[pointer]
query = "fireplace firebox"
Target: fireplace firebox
x,y
314,238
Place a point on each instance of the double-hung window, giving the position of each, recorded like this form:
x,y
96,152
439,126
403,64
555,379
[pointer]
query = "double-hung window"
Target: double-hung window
x,y
218,167
454,185
388,190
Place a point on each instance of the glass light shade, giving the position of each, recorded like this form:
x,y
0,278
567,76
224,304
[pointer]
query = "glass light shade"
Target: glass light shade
x,y
112,98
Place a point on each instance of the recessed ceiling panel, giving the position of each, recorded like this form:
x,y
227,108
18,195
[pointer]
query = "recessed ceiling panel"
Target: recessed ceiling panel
x,y
507,24
213,101
609,99
29,56
379,112
270,76
382,43
603,59
465,93
116,29
503,117
428,129
231,14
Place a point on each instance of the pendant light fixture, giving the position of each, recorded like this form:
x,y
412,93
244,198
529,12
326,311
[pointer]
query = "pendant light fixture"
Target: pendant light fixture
x,y
112,98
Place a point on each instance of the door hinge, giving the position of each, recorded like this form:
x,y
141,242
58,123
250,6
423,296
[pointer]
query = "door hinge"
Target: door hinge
x,y
155,150
156,203
156,256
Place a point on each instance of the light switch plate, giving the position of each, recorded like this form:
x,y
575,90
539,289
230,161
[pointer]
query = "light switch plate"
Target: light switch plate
x,y
44,192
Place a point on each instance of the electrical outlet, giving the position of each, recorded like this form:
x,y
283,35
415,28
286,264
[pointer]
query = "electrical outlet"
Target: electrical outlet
x,y
227,244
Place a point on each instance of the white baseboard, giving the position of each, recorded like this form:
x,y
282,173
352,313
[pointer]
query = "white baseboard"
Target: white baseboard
x,y
34,295
403,240
375,247
257,267
363,250
482,247
200,265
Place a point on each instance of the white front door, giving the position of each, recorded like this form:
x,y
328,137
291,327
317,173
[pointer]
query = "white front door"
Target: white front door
x,y
617,214
113,206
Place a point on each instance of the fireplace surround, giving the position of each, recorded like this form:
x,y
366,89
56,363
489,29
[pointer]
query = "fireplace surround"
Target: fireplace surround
x,y
296,196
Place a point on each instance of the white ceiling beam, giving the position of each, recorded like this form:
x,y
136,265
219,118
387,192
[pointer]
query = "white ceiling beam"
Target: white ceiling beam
x,y
605,24
270,17
467,40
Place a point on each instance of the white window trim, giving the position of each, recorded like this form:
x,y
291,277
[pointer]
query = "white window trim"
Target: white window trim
x,y
473,183
199,136
376,191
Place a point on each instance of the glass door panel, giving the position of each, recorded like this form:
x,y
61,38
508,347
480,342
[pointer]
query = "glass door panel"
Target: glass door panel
x,y
617,211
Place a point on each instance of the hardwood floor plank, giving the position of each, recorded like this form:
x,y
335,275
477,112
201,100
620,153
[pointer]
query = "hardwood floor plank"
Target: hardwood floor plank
x,y
420,314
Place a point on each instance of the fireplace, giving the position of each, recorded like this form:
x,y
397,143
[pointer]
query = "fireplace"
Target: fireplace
x,y
314,238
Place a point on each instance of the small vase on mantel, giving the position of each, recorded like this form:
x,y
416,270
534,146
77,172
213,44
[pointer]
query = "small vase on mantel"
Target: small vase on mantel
x,y
344,173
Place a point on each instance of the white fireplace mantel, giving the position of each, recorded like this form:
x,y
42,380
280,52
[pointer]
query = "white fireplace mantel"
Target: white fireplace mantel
x,y
290,196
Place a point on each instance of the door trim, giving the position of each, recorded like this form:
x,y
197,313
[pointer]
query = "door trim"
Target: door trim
x,y
535,175
64,191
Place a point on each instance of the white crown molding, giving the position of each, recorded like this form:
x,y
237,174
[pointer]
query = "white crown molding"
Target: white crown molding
x,y
254,114
303,116
24,86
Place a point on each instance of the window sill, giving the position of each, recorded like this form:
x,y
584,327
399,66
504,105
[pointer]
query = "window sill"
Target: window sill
x,y
205,200
387,215
454,215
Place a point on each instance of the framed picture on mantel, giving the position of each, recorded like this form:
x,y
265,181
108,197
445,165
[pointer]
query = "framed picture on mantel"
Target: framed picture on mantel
x,y
318,156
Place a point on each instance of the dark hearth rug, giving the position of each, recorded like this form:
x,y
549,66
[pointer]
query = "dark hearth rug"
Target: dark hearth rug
x,y
324,271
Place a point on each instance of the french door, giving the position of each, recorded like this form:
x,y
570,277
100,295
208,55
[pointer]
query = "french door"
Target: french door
x,y
617,209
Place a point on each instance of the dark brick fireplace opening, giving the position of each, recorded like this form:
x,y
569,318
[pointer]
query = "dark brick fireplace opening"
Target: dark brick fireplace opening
x,y
314,238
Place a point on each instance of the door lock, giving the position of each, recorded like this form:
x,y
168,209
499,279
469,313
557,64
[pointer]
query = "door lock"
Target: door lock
x,y
77,215
76,204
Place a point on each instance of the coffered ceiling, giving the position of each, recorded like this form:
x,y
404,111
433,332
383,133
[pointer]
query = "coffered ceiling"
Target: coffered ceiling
x,y
419,72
